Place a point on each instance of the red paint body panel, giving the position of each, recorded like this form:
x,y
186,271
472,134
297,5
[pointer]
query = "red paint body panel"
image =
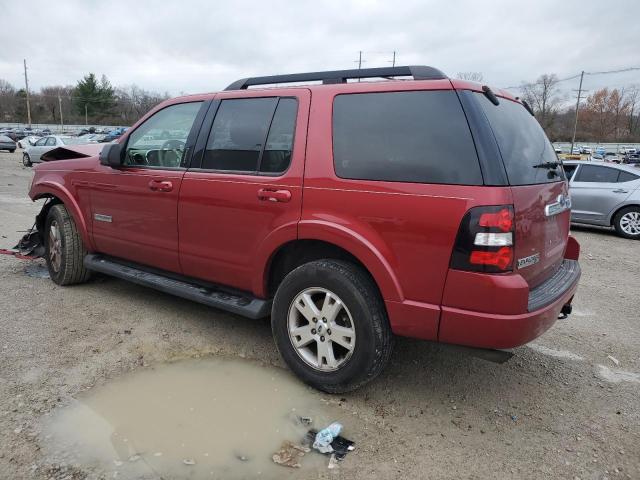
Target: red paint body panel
x,y
226,230
489,330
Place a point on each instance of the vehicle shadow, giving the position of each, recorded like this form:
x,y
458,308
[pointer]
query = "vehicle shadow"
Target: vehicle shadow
x,y
609,231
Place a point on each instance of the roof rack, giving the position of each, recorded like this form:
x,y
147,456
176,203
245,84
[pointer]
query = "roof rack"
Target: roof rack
x,y
418,72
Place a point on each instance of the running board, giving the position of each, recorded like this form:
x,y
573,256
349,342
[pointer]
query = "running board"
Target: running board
x,y
240,303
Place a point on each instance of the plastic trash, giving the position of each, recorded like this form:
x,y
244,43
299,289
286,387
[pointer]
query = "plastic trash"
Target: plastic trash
x,y
324,437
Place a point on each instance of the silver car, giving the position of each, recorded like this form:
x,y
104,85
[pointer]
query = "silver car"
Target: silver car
x,y
6,143
33,153
605,195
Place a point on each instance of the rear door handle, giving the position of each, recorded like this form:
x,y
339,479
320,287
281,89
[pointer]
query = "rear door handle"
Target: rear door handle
x,y
160,185
274,195
620,190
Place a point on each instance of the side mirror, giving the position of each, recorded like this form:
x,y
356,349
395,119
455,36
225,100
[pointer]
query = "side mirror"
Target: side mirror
x,y
111,155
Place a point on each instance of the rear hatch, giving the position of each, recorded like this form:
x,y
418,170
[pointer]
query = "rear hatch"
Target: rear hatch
x,y
539,189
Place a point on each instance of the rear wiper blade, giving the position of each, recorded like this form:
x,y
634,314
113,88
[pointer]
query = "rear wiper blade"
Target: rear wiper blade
x,y
549,165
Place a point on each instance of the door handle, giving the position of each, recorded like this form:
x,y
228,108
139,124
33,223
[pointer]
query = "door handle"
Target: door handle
x,y
620,190
274,195
160,185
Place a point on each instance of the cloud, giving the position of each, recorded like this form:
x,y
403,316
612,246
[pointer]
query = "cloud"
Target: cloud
x,y
194,46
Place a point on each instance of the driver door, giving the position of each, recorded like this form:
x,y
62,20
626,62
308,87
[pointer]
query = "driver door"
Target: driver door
x,y
134,208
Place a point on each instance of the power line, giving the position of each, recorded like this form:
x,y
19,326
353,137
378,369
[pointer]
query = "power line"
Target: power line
x,y
604,72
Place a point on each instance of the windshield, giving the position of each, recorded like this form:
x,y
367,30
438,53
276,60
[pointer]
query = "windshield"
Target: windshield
x,y
529,157
74,141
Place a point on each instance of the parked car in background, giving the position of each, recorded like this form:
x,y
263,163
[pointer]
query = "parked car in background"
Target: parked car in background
x,y
7,143
557,149
632,158
585,150
348,212
605,195
597,157
611,157
575,151
624,150
33,153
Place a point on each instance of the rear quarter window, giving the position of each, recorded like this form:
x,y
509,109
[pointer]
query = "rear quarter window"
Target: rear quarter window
x,y
522,142
418,136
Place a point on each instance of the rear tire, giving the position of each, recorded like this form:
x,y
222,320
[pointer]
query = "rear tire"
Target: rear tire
x,y
346,297
64,249
11,151
627,223
26,160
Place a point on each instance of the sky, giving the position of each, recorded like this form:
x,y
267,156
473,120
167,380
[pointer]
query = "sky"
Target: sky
x,y
191,46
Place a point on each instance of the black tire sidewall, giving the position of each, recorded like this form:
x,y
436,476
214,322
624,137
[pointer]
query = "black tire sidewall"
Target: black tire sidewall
x,y
358,368
618,217
54,214
26,160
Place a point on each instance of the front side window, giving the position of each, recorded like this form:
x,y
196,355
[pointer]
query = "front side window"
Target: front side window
x,y
597,174
41,143
51,142
420,137
569,170
160,141
252,135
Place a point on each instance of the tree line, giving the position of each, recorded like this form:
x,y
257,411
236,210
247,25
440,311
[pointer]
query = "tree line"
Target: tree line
x,y
91,101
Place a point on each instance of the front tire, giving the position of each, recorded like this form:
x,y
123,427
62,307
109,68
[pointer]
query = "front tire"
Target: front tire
x,y
26,160
64,249
627,223
330,325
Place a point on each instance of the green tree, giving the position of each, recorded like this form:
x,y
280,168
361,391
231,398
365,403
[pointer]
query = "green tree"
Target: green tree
x,y
94,98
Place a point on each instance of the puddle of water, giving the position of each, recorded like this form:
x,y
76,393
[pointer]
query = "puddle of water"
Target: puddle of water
x,y
617,376
213,418
36,270
554,353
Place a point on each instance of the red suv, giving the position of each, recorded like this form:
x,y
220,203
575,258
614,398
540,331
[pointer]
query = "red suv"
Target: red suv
x,y
349,211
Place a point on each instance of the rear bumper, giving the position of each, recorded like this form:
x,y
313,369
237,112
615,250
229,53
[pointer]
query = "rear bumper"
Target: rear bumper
x,y
487,330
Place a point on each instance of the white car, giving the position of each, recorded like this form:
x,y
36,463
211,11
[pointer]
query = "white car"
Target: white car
x,y
585,149
33,153
28,141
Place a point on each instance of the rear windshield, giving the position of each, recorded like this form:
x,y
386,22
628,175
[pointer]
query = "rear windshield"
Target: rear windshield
x,y
522,143
420,136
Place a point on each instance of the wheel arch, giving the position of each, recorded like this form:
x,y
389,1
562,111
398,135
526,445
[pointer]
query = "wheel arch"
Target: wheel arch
x,y
615,212
58,195
294,253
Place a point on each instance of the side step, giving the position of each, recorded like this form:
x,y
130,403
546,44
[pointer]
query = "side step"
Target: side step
x,y
240,303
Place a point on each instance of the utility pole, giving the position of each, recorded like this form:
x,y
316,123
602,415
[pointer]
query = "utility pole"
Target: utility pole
x,y
575,123
86,122
61,120
26,84
393,62
359,61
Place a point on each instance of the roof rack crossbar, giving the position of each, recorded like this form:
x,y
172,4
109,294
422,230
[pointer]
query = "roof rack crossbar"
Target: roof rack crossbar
x,y
418,72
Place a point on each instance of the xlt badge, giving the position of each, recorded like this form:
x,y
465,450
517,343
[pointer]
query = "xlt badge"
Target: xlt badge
x,y
528,261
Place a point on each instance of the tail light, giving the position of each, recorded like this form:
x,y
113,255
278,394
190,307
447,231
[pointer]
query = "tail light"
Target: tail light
x,y
485,240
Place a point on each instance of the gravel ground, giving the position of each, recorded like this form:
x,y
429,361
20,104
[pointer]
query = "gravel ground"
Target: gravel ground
x,y
559,409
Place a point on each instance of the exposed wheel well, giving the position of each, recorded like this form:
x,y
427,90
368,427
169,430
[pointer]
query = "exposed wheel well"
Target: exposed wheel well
x,y
613,215
293,254
50,201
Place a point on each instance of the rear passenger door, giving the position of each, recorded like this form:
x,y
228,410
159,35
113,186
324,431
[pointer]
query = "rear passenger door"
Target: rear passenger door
x,y
242,195
595,192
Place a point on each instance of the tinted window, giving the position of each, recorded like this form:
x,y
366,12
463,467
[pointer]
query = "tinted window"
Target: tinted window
x,y
627,177
404,137
160,140
277,152
594,173
522,143
238,134
569,170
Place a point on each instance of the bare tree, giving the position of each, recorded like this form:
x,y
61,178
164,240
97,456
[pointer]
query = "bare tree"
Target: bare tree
x,y
470,76
544,98
7,99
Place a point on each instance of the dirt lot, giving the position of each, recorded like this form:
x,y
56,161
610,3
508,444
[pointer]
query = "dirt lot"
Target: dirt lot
x,y
559,409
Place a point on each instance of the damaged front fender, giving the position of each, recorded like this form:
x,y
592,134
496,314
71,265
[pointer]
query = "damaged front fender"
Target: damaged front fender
x,y
32,243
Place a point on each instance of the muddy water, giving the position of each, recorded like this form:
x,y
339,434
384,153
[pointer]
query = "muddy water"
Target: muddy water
x,y
214,418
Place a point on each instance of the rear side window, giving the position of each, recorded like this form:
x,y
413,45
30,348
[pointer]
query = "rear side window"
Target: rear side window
x,y
420,137
522,143
627,177
597,174
252,134
569,170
